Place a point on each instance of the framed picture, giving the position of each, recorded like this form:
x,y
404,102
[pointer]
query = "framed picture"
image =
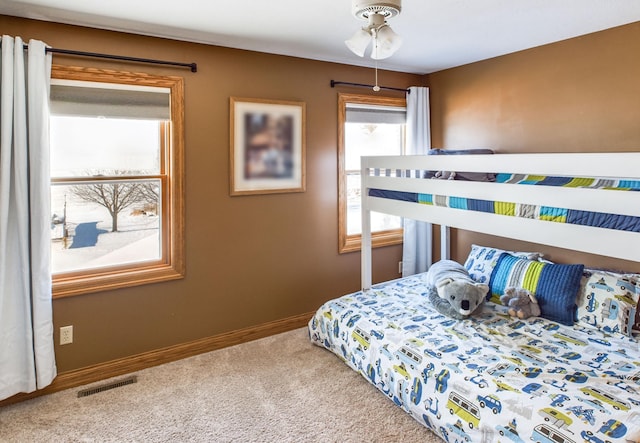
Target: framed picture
x,y
267,146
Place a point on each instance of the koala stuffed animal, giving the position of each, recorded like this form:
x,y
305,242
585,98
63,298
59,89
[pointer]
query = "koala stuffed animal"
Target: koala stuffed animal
x,y
521,303
452,291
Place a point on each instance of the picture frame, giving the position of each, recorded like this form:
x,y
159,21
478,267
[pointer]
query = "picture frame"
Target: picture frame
x,y
267,152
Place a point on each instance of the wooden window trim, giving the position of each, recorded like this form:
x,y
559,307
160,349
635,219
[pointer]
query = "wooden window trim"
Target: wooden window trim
x,y
350,243
171,266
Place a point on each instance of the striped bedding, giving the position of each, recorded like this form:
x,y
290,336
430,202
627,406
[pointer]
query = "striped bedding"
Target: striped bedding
x,y
548,213
572,182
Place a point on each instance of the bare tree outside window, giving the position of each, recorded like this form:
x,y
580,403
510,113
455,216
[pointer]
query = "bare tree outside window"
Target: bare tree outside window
x,y
120,195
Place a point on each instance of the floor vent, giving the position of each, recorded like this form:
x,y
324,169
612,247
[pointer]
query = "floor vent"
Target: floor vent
x,y
111,385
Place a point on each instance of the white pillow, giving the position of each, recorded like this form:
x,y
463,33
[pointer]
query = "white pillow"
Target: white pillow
x,y
609,301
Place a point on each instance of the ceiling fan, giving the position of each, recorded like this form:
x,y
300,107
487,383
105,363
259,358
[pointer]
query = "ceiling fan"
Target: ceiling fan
x,y
385,41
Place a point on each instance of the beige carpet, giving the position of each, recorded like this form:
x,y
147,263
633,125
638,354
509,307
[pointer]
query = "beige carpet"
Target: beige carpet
x,y
277,389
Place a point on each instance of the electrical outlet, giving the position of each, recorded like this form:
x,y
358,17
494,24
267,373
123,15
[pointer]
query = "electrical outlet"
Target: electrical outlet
x,y
66,335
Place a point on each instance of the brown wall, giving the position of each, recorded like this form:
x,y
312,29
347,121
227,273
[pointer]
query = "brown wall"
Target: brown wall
x,y
250,259
255,259
578,95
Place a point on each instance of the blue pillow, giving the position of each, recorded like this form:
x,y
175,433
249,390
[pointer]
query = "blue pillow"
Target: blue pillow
x,y
555,286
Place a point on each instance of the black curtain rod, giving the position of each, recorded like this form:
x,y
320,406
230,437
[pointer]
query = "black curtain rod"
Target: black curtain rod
x,y
192,66
335,83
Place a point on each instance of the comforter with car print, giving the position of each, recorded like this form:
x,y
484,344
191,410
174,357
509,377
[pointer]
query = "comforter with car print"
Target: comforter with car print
x,y
491,377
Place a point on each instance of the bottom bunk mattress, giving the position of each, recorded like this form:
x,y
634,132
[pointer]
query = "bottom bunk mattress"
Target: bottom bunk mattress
x,y
488,378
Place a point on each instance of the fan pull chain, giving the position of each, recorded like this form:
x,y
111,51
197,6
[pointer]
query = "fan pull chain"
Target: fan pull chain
x,y
376,87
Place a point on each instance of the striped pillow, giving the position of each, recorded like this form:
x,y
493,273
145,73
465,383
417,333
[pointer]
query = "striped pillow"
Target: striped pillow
x,y
482,259
555,286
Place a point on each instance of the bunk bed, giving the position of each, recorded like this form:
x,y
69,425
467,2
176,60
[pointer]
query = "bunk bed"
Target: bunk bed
x,y
570,375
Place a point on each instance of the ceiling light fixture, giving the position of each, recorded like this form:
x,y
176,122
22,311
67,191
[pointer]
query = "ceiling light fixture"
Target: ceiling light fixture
x,y
376,12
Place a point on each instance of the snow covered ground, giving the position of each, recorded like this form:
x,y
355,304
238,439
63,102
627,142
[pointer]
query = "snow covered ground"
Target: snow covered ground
x,y
137,240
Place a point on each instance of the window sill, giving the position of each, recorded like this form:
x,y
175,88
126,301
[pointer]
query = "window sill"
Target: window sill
x,y
378,240
79,284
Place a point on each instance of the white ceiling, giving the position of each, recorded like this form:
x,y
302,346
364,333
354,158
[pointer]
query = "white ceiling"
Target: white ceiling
x,y
437,34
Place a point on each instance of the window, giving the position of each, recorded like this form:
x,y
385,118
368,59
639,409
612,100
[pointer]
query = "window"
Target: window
x,y
367,126
117,212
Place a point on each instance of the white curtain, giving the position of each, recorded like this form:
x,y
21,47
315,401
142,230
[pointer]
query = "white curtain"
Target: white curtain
x,y
27,360
416,252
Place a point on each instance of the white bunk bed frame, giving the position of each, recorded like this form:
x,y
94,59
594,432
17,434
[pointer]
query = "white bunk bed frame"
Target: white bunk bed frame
x,y
398,173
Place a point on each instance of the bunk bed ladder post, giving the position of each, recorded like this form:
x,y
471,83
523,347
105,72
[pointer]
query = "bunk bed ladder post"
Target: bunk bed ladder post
x,y
365,246
445,243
